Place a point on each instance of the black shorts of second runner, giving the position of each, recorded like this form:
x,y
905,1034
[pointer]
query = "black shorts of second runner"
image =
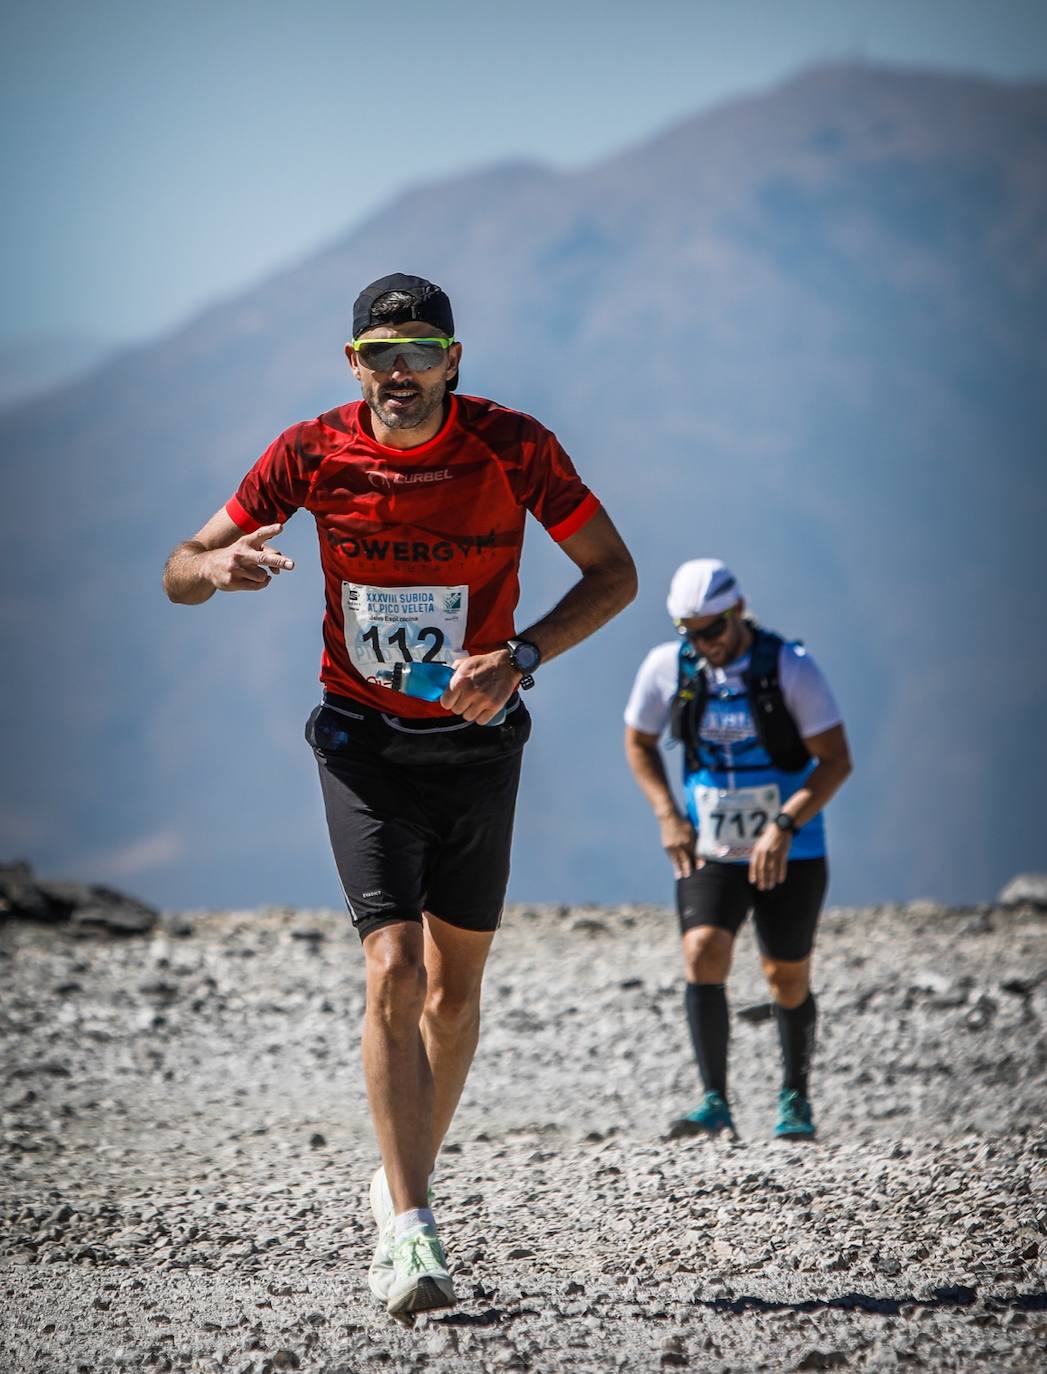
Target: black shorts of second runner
x,y
420,814
785,916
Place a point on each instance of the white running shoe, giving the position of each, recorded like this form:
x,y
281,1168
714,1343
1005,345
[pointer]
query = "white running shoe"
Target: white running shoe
x,y
420,1278
380,1274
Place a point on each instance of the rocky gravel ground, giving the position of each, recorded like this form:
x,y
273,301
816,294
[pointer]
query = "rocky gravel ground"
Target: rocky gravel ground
x,y
186,1154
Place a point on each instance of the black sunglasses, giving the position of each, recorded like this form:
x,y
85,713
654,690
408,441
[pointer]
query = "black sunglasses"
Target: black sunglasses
x,y
709,632
419,355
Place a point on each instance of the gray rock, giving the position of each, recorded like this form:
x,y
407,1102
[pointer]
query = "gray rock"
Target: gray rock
x,y
923,908
86,906
981,1014
117,915
1026,889
756,1012
21,895
822,1359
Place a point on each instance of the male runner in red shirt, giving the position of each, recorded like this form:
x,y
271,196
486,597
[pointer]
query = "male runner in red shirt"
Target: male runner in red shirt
x,y
420,499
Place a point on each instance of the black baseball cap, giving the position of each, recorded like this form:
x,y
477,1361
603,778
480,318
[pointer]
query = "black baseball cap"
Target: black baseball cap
x,y
423,301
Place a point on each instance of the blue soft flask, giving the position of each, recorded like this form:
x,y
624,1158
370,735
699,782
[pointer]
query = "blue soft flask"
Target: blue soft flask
x,y
428,681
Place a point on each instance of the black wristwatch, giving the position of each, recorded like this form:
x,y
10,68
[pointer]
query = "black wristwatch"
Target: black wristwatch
x,y
785,822
525,658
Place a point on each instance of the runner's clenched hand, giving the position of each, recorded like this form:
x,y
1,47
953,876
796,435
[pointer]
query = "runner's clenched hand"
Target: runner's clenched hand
x,y
481,686
246,565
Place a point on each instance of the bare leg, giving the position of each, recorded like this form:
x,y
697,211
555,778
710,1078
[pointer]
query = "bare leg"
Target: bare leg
x,y
396,1068
707,954
420,1033
454,962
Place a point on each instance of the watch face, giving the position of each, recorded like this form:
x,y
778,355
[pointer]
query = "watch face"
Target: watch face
x,y
526,656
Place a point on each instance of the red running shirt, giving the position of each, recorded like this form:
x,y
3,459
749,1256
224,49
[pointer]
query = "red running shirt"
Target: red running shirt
x,y
420,547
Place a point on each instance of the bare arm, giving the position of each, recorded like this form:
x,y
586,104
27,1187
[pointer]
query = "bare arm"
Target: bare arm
x,y
648,768
606,586
771,853
834,766
220,557
484,683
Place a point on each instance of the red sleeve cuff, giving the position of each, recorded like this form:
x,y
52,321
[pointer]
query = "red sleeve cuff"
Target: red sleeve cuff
x,y
581,515
240,517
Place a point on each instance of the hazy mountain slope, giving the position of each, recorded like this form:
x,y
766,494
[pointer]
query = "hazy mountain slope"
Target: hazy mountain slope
x,y
37,363
803,332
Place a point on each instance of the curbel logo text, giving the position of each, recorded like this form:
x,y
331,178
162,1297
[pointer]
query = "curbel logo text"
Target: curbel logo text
x,y
388,480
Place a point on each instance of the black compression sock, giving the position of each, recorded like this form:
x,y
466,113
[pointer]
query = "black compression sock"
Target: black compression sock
x,y
706,1005
796,1032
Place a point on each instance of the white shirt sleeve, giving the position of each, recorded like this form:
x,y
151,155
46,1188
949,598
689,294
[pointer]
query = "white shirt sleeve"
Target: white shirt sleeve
x,y
650,701
806,692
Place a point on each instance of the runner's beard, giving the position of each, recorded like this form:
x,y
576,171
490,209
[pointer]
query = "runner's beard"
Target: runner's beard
x,y
409,416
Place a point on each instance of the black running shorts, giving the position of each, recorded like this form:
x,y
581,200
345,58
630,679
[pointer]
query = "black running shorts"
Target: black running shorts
x,y
420,813
785,916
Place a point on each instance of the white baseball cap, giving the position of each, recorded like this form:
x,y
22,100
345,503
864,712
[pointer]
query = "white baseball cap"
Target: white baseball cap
x,y
703,586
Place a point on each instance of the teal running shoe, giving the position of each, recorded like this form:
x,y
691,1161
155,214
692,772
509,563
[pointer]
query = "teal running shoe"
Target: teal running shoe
x,y
710,1117
794,1116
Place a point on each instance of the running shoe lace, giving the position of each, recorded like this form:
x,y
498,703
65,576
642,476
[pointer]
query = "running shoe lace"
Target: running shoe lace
x,y
414,1262
792,1111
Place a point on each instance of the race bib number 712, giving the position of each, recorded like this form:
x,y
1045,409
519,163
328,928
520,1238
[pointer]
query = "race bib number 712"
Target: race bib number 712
x,y
730,821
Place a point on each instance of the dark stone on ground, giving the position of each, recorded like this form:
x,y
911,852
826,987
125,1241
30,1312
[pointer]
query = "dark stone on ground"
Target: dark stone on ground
x,y
86,906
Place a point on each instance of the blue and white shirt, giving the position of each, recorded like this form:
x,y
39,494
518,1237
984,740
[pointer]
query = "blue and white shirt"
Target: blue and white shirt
x,y
732,756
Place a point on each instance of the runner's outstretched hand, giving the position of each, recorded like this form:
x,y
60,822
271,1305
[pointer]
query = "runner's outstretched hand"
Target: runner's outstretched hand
x,y
481,686
246,565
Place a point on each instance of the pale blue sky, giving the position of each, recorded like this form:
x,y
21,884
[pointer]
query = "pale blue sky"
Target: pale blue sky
x,y
158,155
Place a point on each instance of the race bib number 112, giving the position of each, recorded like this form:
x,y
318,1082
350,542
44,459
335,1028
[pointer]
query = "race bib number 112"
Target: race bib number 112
x,y
387,625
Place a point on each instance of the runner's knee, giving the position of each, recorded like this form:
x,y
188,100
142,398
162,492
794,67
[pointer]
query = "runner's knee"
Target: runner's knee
x,y
454,1009
790,982
707,954
396,978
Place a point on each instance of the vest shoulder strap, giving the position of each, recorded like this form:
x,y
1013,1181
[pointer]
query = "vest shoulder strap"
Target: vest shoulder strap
x,y
688,705
763,660
775,727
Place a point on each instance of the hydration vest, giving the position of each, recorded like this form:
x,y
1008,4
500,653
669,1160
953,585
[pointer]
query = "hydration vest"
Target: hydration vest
x,y
775,727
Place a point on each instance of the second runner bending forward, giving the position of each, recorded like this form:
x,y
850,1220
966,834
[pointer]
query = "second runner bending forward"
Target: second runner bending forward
x,y
764,750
